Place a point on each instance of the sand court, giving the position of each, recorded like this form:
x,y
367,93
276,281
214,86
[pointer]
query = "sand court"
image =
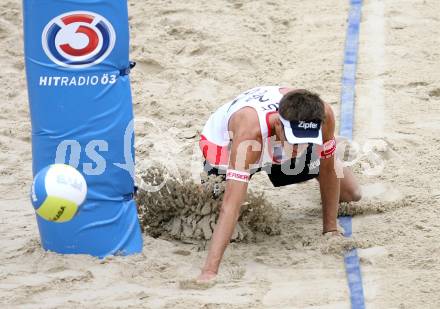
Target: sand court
x,y
194,56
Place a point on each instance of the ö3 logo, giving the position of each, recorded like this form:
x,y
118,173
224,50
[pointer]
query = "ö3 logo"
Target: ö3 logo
x,y
78,39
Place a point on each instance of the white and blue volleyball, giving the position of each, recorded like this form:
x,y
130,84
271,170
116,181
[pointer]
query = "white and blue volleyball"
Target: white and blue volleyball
x,y
58,191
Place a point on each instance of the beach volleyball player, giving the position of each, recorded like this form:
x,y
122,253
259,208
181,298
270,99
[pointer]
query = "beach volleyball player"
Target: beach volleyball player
x,y
288,133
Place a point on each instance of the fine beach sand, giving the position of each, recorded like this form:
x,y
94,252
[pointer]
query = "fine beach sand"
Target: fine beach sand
x,y
193,56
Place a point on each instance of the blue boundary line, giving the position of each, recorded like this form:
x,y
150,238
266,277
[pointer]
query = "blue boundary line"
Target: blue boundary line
x,y
351,259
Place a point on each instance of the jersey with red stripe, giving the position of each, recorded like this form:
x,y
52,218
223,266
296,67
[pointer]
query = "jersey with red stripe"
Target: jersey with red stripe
x,y
215,140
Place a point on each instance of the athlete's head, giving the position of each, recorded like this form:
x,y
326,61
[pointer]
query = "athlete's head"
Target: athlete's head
x,y
302,105
301,114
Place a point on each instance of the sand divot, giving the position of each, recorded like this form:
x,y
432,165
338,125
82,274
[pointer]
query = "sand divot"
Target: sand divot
x,y
375,206
185,210
342,245
194,284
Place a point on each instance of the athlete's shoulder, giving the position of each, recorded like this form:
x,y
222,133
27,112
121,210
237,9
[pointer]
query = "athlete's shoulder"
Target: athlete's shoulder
x,y
245,123
329,113
328,128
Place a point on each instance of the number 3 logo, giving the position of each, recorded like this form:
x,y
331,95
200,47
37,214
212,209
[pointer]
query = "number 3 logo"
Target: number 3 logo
x,y
78,39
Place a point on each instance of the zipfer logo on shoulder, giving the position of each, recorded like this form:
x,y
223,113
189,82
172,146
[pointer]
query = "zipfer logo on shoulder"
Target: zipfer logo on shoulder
x,y
78,39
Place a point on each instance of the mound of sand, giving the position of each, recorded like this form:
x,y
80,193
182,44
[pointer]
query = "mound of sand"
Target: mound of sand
x,y
185,210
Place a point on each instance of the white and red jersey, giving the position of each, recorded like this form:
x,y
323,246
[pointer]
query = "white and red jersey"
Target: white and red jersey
x,y
215,139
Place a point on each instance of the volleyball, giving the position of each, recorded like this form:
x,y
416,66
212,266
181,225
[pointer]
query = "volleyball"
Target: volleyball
x,y
58,190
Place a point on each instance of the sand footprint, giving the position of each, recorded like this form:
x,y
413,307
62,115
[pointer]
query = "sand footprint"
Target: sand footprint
x,y
233,273
149,66
435,93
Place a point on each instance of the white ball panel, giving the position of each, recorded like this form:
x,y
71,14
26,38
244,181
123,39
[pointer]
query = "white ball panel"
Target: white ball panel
x,y
66,182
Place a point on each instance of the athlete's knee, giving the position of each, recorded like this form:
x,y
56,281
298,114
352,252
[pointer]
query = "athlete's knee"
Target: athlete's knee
x,y
356,195
353,194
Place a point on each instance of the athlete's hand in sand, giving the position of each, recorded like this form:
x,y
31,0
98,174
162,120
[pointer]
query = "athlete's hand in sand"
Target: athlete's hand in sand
x,y
202,282
206,276
336,233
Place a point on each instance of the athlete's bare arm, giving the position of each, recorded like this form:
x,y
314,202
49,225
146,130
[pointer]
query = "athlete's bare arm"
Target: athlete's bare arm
x,y
245,150
334,189
329,183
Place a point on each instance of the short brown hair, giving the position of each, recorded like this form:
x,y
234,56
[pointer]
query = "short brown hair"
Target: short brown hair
x,y
302,105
